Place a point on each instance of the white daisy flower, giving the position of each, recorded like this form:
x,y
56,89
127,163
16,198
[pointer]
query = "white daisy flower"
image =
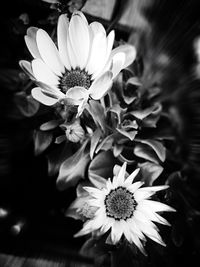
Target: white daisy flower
x,y
82,66
125,208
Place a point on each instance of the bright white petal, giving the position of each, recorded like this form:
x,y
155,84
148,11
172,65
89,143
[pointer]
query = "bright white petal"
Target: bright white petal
x,y
96,193
107,225
138,243
155,188
38,95
134,229
116,231
130,178
152,215
135,186
117,63
149,229
43,73
121,175
146,192
49,52
26,66
30,40
157,206
96,28
110,41
62,32
140,195
129,52
98,55
79,38
77,93
100,86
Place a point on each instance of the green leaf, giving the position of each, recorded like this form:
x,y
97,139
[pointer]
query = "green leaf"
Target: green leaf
x,y
150,172
94,141
101,166
157,146
73,169
42,141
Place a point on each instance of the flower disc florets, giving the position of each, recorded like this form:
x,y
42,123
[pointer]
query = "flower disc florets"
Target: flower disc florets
x,y
74,78
120,204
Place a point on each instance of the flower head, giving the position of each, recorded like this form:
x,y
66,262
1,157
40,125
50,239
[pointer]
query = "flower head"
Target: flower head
x,y
82,67
125,208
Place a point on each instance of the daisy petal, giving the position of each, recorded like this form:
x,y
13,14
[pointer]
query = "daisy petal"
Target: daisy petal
x,y
43,73
92,191
97,27
121,175
110,41
130,178
100,86
117,63
49,52
152,215
38,95
140,194
128,50
155,188
62,34
134,187
98,54
138,243
26,66
157,206
116,231
79,38
77,93
30,40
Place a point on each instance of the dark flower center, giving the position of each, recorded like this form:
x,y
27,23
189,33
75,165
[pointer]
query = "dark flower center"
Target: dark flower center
x,y
73,78
120,204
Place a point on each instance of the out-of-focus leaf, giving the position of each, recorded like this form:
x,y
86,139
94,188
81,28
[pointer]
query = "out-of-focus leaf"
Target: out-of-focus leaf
x,y
94,141
117,149
42,141
50,125
177,233
134,81
142,151
26,104
101,166
58,156
73,168
97,112
118,111
10,79
157,146
150,172
60,139
129,134
141,114
105,144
